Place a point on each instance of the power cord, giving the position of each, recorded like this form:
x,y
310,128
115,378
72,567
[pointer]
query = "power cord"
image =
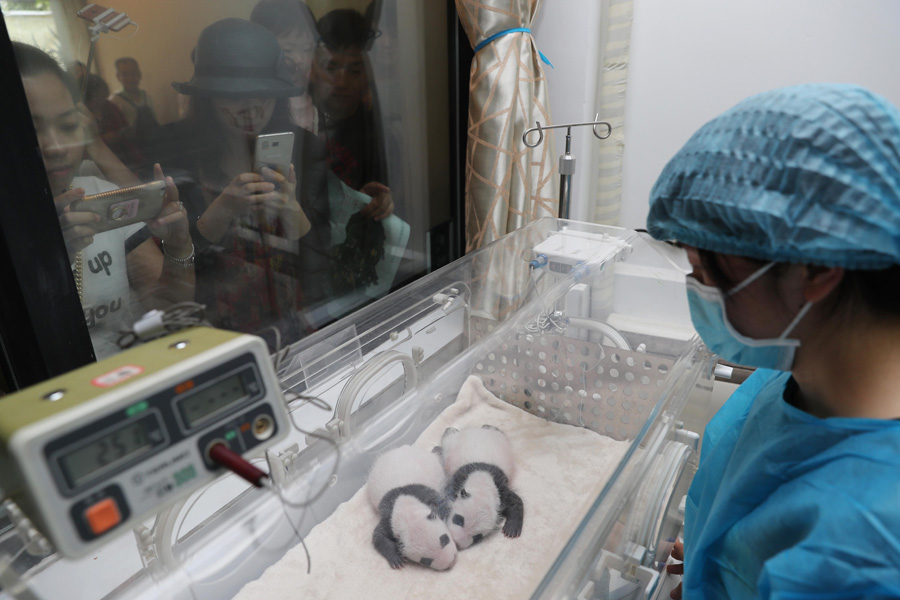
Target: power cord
x,y
549,320
157,323
234,462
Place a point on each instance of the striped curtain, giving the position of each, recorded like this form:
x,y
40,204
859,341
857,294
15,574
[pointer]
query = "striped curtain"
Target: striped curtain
x,y
606,161
507,183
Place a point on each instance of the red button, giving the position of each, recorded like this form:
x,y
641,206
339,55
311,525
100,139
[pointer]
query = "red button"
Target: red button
x,y
103,516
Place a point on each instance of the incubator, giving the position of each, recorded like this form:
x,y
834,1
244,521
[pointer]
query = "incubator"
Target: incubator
x,y
576,337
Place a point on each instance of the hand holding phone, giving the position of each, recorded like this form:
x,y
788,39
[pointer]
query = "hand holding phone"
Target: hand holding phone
x,y
125,206
171,223
77,227
283,200
275,151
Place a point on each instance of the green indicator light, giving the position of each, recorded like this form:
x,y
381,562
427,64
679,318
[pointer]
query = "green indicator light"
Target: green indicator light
x,y
136,408
185,474
231,435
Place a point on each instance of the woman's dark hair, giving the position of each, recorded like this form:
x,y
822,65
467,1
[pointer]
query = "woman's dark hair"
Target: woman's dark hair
x,y
343,29
209,138
283,16
875,291
33,62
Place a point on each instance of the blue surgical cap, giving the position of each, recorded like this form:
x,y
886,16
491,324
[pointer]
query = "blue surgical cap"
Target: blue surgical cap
x,y
803,174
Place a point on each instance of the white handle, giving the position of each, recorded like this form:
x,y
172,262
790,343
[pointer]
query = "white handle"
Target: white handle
x,y
372,369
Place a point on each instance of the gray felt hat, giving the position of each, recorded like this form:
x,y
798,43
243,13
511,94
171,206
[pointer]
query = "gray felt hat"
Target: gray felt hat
x,y
235,58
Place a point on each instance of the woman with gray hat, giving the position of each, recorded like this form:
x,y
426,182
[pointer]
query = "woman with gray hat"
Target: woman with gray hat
x,y
257,257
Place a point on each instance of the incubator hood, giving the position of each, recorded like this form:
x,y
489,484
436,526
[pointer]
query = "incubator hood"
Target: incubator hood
x,y
575,337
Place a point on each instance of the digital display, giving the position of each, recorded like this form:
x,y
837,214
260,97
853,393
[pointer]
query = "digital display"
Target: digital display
x,y
208,401
108,452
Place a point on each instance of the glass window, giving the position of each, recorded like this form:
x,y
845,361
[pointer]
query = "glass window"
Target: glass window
x,y
282,162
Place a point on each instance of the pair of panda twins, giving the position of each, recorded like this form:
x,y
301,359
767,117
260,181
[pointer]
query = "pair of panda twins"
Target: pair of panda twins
x,y
459,491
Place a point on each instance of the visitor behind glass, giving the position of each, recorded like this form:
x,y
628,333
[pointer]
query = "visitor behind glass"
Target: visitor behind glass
x,y
260,259
120,272
294,27
137,106
349,121
111,125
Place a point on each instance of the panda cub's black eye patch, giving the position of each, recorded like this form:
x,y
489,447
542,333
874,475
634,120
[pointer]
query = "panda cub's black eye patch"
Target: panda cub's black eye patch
x,y
426,561
477,538
445,539
458,520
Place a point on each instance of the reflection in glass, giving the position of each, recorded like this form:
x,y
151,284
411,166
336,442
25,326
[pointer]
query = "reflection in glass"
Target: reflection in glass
x,y
119,268
349,116
247,219
273,251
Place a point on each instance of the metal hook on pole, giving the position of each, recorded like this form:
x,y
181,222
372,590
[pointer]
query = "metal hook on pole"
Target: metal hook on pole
x,y
540,129
566,161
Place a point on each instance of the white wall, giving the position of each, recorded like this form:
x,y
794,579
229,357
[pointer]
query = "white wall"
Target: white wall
x,y
566,32
693,59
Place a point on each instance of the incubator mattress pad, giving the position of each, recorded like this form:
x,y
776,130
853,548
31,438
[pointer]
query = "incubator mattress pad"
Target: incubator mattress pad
x,y
561,470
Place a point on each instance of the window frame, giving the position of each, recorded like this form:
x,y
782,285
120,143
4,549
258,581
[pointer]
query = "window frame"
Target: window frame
x,y
42,328
43,333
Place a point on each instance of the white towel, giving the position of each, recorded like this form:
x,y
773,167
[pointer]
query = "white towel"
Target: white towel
x,y
560,471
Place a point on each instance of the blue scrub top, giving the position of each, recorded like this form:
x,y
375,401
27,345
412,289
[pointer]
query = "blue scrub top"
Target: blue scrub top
x,y
787,505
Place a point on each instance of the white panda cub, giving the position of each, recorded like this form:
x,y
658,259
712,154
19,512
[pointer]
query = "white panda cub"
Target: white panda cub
x,y
406,488
479,462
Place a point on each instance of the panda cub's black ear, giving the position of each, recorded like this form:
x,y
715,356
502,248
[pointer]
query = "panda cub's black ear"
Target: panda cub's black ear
x,y
449,432
444,508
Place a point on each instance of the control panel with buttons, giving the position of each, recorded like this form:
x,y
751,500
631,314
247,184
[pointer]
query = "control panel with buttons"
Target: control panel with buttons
x,y
91,452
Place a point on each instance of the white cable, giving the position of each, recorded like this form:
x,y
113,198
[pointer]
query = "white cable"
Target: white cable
x,y
157,323
601,327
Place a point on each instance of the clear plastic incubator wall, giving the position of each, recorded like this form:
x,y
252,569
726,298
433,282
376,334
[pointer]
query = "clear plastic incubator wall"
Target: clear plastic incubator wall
x,y
573,339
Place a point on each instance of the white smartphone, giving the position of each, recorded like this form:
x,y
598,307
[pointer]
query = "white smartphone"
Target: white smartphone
x,y
274,150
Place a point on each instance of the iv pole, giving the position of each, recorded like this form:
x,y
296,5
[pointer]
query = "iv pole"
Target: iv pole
x,y
566,161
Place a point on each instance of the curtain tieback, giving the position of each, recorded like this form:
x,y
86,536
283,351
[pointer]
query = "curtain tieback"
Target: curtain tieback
x,y
514,30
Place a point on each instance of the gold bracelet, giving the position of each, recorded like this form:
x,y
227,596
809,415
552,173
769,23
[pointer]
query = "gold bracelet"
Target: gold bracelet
x,y
79,275
185,263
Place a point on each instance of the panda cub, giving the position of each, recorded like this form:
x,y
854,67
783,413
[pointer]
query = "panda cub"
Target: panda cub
x,y
479,462
405,487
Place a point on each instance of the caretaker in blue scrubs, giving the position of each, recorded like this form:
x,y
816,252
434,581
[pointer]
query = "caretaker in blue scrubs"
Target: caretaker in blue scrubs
x,y
788,206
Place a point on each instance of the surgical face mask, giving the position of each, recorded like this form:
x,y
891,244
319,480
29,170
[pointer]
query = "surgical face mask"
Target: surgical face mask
x,y
710,319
